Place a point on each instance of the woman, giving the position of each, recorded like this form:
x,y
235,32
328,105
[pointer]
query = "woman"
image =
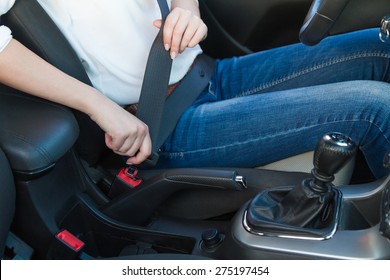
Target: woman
x,y
255,106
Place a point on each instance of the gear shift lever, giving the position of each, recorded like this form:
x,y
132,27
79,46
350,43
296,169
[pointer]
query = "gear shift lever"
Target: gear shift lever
x,y
333,151
308,210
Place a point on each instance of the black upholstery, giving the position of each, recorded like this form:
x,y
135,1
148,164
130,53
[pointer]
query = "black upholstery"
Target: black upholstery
x,y
31,25
34,133
7,200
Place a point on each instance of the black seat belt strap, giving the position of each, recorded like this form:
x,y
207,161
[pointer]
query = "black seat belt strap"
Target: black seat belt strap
x,y
155,85
184,95
158,112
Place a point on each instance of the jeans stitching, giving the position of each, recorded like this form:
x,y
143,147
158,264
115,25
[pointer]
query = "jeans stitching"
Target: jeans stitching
x,y
379,129
313,68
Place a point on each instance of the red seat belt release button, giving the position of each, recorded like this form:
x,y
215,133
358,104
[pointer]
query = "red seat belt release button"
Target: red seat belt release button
x,y
70,240
129,175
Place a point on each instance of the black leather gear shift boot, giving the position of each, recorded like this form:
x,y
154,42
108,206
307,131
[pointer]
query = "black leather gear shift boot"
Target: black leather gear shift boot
x,y
298,211
311,209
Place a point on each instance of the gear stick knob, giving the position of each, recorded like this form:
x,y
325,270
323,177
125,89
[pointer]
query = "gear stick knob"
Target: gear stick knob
x,y
332,152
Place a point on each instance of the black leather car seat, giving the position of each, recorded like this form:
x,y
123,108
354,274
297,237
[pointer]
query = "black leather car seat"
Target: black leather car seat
x,y
7,200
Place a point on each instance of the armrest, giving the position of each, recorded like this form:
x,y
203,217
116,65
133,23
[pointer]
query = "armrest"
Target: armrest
x,y
34,133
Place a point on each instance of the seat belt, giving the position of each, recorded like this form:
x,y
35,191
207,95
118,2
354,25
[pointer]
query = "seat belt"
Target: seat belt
x,y
155,85
154,109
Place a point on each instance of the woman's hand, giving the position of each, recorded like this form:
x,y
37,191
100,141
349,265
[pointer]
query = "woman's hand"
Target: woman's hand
x,y
183,28
125,134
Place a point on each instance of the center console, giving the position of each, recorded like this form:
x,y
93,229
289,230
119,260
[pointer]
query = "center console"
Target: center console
x,y
315,220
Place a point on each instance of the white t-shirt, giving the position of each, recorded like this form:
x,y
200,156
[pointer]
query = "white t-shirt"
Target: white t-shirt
x,y
112,39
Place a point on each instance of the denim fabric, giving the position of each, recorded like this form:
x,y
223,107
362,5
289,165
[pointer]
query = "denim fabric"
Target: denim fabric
x,y
277,103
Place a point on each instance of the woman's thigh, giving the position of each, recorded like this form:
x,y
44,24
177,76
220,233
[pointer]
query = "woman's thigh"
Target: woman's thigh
x,y
352,56
257,129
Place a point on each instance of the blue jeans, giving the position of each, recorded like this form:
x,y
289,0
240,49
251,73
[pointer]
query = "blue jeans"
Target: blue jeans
x,y
277,103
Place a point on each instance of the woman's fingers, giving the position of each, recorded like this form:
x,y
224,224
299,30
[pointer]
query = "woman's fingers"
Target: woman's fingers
x,y
143,153
182,29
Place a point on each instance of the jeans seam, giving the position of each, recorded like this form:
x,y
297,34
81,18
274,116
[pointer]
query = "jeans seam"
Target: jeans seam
x,y
313,68
362,147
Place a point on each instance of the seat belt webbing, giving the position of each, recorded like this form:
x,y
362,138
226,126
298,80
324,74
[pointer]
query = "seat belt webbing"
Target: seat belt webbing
x,y
155,85
158,112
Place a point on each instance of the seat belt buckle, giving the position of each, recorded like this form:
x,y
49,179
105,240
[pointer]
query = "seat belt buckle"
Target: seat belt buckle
x,y
70,240
131,172
65,246
129,175
126,180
